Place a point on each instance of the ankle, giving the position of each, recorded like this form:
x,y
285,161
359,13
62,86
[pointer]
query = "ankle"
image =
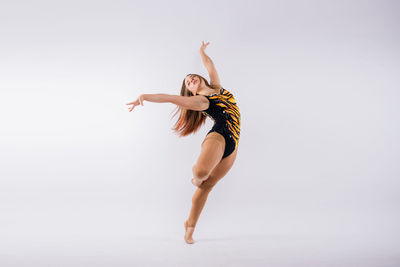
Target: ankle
x,y
190,224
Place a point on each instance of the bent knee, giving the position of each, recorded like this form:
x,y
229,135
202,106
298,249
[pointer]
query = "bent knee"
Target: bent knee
x,y
200,172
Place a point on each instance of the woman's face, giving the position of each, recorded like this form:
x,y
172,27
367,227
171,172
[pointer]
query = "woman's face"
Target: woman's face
x,y
192,83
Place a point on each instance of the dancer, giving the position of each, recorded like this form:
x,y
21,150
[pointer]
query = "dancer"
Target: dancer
x,y
198,100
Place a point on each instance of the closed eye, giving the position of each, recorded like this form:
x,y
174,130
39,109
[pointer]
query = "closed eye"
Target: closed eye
x,y
188,82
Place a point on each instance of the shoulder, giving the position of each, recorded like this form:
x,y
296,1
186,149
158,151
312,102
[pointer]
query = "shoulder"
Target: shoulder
x,y
203,101
216,87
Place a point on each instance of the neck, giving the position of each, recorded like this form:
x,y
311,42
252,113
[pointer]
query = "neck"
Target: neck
x,y
205,90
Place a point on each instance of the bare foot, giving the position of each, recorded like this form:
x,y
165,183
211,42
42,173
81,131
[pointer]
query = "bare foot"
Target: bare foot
x,y
197,182
188,233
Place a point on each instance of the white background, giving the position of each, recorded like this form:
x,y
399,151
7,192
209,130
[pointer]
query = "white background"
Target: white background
x,y
84,182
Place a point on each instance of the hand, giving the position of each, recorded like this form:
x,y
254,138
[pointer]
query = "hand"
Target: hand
x,y
203,46
137,102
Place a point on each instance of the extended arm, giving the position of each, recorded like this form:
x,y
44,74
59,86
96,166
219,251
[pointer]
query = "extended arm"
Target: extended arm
x,y
209,64
198,103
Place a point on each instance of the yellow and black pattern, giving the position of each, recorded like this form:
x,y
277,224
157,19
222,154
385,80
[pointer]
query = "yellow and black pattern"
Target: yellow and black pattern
x,y
225,113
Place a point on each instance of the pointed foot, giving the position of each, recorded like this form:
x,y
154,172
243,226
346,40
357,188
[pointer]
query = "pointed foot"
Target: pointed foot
x,y
188,233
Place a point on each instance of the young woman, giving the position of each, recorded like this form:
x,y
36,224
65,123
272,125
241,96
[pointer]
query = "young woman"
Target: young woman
x,y
199,99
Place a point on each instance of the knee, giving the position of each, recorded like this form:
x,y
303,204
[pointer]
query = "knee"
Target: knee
x,y
200,173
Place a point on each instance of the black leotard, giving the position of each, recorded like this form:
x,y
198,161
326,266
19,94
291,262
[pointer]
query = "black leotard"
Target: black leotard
x,y
225,113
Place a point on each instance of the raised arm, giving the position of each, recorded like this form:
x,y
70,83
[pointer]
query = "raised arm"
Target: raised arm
x,y
197,102
209,64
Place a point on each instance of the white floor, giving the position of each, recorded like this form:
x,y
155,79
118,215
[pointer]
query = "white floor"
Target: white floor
x,y
54,239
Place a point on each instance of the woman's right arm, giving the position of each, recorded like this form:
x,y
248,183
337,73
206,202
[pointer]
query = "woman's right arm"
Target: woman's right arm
x,y
198,103
210,66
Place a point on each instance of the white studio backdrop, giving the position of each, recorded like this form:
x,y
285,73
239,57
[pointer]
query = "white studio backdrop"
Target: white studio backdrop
x,y
82,179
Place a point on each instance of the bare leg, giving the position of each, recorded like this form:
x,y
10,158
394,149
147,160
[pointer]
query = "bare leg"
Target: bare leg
x,y
198,201
201,194
212,150
188,233
196,182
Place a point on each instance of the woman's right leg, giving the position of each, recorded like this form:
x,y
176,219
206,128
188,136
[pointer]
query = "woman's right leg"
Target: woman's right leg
x,y
212,150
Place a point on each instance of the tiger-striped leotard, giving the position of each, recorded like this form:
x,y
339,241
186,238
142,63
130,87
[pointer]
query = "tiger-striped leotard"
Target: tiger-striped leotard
x,y
225,113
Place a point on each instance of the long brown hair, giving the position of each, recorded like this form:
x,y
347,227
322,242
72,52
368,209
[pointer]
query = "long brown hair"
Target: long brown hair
x,y
190,121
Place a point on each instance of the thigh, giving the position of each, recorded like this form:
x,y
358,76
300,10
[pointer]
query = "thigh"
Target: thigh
x,y
212,150
220,170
